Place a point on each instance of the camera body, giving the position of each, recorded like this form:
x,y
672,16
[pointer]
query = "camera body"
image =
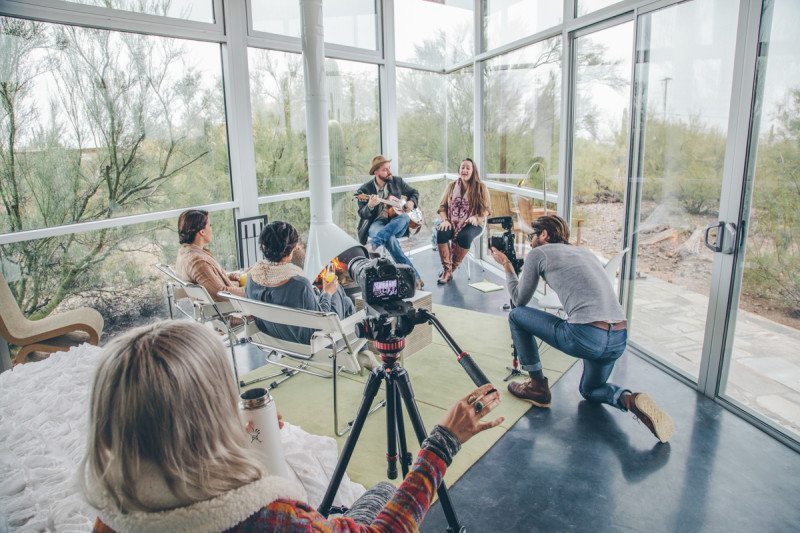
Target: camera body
x,y
381,281
505,242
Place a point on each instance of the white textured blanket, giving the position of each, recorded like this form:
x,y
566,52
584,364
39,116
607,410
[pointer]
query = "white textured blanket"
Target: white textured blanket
x,y
43,417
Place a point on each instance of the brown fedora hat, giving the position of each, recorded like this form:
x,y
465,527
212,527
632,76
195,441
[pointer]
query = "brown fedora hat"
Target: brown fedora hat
x,y
377,161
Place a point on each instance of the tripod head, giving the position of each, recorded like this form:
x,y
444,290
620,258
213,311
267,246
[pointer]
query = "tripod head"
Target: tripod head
x,y
389,321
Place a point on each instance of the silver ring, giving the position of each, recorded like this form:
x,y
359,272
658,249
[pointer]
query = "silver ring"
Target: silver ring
x,y
472,399
478,406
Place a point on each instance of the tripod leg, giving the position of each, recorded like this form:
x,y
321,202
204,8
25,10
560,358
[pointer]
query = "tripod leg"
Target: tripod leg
x,y
391,426
404,386
514,368
405,457
370,390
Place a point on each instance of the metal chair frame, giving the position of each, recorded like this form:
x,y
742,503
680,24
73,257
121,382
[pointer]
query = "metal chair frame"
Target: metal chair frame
x,y
330,340
205,308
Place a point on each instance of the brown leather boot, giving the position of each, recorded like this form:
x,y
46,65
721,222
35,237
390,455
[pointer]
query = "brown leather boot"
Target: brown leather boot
x,y
459,254
447,266
536,391
644,408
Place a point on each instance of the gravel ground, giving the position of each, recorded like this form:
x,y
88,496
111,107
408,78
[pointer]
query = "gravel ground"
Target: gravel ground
x,y
678,254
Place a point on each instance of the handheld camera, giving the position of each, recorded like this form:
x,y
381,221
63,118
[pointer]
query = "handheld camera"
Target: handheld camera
x,y
505,242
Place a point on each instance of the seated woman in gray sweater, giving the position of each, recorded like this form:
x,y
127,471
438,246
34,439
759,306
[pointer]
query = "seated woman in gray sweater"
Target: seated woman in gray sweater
x,y
276,280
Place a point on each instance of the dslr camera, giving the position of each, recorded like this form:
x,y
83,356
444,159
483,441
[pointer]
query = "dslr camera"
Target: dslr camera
x,y
382,282
505,242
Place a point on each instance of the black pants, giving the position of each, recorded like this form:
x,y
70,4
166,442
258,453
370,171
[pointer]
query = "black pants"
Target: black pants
x,y
463,239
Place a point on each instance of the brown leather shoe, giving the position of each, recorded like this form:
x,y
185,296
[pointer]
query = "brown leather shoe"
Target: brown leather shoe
x,y
534,390
644,408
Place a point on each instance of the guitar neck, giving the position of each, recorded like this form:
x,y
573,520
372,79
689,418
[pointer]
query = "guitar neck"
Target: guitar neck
x,y
397,205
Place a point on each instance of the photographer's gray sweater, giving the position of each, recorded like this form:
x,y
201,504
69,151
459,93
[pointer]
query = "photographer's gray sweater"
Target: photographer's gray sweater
x,y
577,277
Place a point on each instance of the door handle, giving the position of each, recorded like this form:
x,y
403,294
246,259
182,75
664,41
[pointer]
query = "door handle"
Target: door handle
x,y
724,237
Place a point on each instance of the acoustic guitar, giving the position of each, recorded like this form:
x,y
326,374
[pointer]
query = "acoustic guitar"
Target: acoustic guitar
x,y
396,207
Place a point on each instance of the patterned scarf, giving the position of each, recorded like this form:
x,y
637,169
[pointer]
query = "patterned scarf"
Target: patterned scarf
x,y
457,208
269,274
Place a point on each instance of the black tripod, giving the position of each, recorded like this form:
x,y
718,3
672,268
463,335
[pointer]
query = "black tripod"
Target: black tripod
x,y
398,385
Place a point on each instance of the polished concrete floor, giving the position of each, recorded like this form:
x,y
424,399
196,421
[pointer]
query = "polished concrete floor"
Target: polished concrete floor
x,y
584,467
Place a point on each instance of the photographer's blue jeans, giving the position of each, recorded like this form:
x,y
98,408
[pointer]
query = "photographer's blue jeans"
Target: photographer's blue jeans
x,y
598,348
386,233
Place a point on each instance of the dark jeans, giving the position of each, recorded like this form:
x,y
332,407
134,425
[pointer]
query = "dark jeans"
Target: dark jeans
x,y
386,232
463,239
598,348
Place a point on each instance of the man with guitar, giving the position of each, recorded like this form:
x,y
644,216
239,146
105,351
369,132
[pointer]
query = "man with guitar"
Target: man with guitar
x,y
383,216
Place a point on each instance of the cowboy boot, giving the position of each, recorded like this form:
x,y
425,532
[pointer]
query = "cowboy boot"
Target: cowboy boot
x,y
447,265
459,254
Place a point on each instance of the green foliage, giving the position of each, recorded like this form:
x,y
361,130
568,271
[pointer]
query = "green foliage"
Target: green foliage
x,y
773,246
128,126
421,103
683,161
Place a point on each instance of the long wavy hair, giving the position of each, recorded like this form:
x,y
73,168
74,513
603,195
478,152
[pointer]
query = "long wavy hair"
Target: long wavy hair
x,y
476,191
165,396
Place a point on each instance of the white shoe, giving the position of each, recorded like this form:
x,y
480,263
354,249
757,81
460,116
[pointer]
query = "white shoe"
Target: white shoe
x,y
367,360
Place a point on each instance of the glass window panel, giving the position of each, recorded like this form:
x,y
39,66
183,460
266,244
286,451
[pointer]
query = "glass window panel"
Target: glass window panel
x,y
460,117
600,137
588,6
281,17
505,21
351,23
522,115
279,122
686,96
99,124
354,129
295,212
421,104
197,10
764,370
435,34
345,22
111,270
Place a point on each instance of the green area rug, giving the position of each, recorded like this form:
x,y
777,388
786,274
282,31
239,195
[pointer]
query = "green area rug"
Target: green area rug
x,y
437,380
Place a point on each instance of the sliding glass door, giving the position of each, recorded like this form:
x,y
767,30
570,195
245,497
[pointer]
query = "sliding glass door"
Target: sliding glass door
x,y
713,203
683,79
761,367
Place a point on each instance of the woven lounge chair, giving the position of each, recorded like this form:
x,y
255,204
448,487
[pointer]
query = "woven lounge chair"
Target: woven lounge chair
x,y
50,334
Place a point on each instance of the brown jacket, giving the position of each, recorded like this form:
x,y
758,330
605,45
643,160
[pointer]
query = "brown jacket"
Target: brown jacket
x,y
196,265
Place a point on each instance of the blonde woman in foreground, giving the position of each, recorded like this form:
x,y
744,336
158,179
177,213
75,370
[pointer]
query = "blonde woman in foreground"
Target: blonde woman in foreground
x,y
166,449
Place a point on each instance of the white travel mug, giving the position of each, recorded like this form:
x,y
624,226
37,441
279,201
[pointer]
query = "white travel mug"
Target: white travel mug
x,y
260,419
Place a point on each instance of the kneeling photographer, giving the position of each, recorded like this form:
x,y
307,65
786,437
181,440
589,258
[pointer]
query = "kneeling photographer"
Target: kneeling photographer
x,y
595,329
